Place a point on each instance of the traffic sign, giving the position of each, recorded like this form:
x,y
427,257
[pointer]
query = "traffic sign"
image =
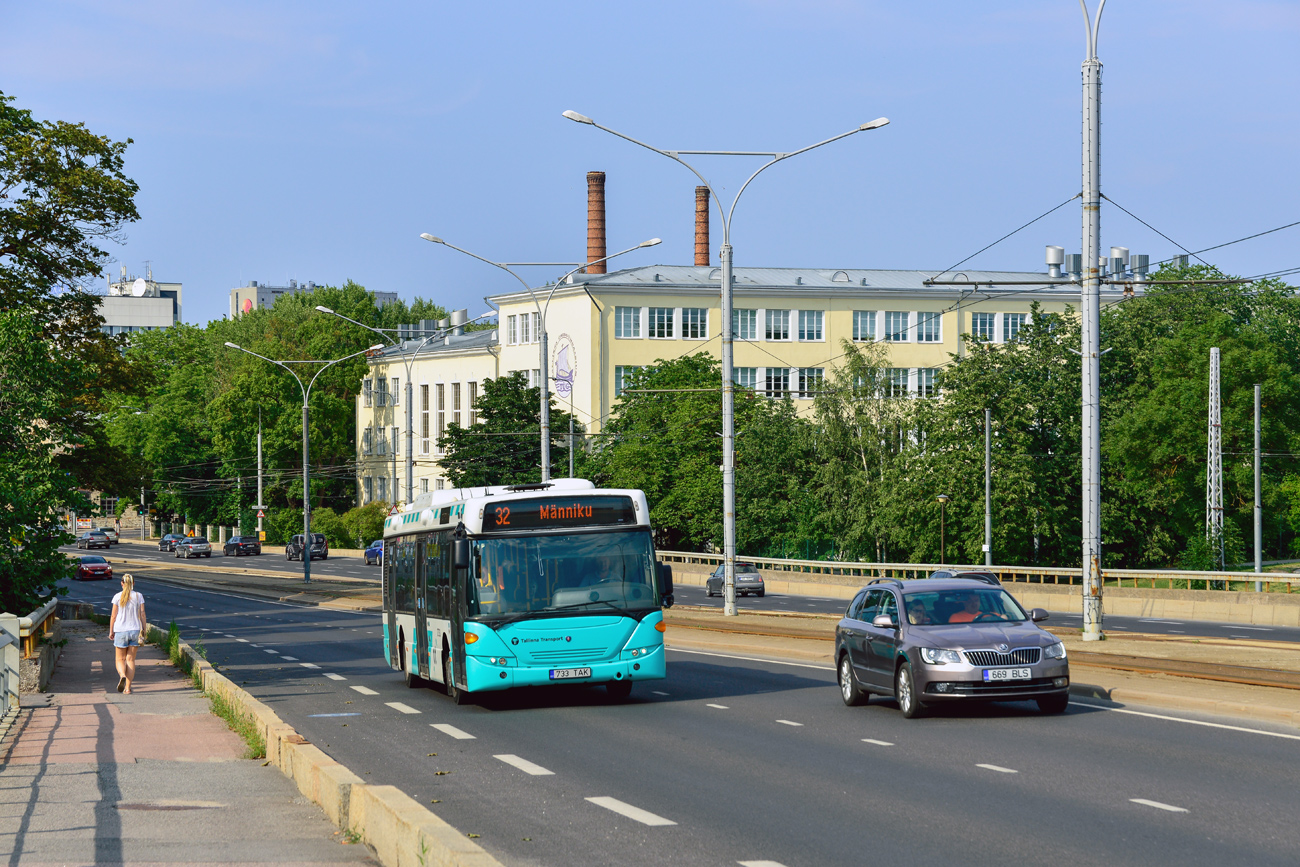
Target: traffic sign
x,y
261,514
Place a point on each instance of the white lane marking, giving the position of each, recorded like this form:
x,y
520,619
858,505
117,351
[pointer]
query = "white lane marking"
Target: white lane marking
x,y
1177,632
397,705
365,690
1253,628
751,658
634,813
290,658
657,692
242,640
998,768
1159,806
1170,622
258,646
719,706
448,729
877,743
1193,722
786,722
760,864
524,765
309,665
268,650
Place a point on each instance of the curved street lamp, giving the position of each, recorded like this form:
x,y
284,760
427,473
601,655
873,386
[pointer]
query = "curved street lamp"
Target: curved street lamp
x,y
306,470
728,387
541,316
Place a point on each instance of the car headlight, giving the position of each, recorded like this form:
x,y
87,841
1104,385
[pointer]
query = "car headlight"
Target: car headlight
x,y
1054,651
935,656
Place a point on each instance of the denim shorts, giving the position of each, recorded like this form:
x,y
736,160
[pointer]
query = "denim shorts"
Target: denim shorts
x,y
126,638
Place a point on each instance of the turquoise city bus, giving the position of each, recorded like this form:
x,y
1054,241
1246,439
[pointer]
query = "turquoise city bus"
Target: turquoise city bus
x,y
524,585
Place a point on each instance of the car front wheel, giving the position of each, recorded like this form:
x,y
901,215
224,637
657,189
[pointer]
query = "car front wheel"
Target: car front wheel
x,y
849,690
905,692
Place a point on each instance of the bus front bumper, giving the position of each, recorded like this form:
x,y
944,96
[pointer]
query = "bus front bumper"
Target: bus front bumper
x,y
482,675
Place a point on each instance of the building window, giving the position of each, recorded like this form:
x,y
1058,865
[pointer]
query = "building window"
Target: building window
x,y
695,323
424,486
744,324
864,325
810,325
437,484
440,395
925,381
627,321
777,383
473,404
424,419
778,325
525,329
396,390
896,382
396,440
810,381
366,391
896,326
982,325
381,444
381,392
455,403
512,330
367,441
927,328
661,323
369,482
622,375
383,489
1011,325
745,377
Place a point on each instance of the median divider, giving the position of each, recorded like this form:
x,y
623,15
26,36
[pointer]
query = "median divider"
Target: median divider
x,y
400,830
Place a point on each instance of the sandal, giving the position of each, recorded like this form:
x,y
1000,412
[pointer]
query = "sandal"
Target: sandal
x,y
121,684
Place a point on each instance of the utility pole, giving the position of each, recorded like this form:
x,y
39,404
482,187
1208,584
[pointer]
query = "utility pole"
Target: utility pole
x,y
988,487
260,508
1214,466
143,516
1259,509
1090,309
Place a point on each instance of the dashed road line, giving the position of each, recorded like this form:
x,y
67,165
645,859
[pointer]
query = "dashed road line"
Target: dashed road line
x,y
289,658
998,768
786,722
242,640
309,665
524,765
657,692
718,706
1159,806
760,864
634,813
365,690
877,743
451,730
397,705
1169,622
268,650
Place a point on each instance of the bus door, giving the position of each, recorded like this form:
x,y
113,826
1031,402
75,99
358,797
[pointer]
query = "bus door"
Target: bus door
x,y
458,584
390,605
421,613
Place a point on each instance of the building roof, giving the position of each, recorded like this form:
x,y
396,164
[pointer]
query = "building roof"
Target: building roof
x,y
470,340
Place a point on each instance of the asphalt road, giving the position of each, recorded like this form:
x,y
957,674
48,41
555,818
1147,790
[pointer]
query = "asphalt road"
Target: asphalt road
x,y
271,559
734,760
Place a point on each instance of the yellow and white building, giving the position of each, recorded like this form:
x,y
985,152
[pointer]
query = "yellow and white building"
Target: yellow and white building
x,y
788,328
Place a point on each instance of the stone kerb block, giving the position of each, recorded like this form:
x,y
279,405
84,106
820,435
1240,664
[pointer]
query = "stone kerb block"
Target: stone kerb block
x,y
405,834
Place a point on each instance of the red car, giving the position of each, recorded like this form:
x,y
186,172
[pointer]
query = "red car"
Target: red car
x,y
93,566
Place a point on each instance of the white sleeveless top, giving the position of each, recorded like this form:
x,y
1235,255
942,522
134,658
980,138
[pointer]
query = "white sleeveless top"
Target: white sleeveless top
x,y
128,613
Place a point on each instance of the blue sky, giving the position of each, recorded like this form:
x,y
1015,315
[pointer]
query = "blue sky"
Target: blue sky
x,y
317,140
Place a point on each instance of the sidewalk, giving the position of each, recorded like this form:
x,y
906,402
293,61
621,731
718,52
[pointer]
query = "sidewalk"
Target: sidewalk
x,y
91,776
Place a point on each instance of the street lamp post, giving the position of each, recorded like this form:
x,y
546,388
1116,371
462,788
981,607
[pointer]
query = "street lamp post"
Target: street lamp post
x,y
728,387
408,361
541,327
943,509
306,442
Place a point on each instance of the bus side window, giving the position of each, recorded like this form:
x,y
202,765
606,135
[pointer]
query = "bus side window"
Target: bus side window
x,y
433,577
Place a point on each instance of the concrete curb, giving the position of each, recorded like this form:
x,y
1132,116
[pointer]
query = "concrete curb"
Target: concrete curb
x,y
400,830
1238,710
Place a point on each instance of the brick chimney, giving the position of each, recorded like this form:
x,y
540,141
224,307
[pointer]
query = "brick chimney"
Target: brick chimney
x,y
595,221
702,226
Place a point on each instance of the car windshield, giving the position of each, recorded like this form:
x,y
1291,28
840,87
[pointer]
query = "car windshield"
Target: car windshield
x,y
581,572
944,607
93,559
378,543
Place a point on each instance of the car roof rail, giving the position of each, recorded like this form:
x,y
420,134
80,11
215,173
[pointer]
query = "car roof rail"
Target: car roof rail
x,y
883,580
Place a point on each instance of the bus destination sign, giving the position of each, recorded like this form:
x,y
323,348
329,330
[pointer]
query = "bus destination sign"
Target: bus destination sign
x,y
558,512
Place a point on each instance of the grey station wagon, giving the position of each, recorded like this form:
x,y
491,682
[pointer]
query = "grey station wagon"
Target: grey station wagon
x,y
928,641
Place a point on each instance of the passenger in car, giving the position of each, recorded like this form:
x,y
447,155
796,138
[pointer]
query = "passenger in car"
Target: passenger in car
x,y
916,613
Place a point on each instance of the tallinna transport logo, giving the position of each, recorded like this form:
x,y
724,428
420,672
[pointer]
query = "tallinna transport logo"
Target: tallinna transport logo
x,y
565,366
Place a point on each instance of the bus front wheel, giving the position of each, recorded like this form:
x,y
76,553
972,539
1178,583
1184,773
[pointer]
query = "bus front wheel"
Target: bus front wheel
x,y
619,690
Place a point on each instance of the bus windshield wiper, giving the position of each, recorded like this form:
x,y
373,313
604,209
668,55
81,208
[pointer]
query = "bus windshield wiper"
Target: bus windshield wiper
x,y
620,610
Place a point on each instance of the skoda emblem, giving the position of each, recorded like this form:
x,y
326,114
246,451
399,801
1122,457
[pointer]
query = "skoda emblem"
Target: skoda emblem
x,y
514,641
1003,648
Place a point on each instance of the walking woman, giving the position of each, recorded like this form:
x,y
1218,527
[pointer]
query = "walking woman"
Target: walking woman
x,y
124,628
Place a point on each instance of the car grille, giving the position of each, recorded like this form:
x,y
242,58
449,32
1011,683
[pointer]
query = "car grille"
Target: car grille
x,y
991,658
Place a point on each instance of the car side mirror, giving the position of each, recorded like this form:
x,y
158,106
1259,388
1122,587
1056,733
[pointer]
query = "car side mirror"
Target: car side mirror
x,y
460,554
1038,614
664,573
884,621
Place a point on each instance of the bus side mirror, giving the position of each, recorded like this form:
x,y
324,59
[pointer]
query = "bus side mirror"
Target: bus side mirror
x,y
665,575
460,554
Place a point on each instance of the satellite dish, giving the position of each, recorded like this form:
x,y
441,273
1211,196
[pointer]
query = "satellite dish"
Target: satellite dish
x,y
139,287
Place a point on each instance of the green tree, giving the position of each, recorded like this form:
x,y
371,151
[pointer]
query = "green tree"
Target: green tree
x,y
502,447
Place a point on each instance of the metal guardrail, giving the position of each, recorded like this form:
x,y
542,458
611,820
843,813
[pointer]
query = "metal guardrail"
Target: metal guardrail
x,y
10,656
1137,578
34,625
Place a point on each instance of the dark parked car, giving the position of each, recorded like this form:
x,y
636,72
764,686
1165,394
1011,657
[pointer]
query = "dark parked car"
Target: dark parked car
x,y
193,546
748,580
375,553
947,639
93,539
319,549
93,566
242,545
168,542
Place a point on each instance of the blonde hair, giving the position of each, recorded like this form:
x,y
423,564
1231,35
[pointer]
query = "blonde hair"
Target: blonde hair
x,y
128,585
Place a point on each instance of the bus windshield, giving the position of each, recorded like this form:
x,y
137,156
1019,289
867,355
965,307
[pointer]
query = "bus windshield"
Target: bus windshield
x,y
577,573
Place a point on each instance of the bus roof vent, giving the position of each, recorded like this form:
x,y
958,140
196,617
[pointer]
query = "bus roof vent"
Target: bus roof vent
x,y
536,486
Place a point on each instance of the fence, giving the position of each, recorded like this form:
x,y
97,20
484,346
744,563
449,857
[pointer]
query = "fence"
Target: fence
x,y
9,657
864,572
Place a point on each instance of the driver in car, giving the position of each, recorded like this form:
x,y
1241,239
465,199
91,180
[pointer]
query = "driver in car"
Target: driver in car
x,y
970,610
